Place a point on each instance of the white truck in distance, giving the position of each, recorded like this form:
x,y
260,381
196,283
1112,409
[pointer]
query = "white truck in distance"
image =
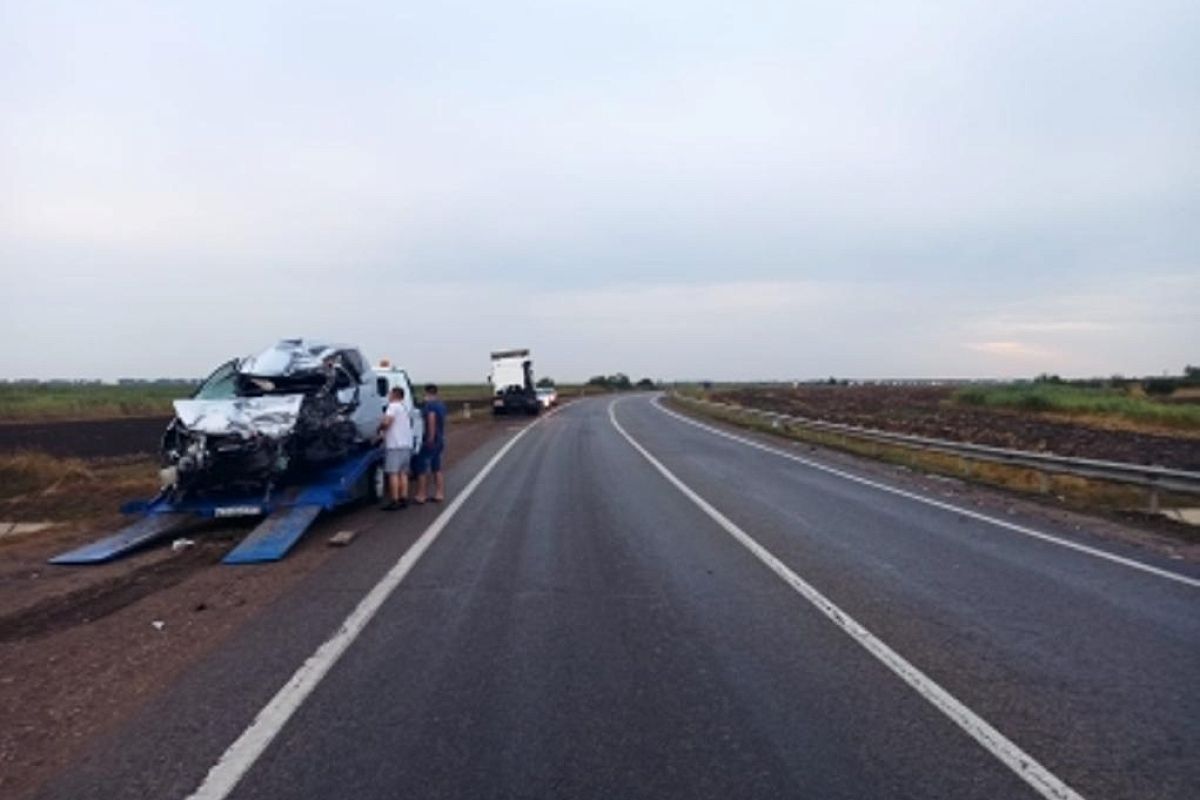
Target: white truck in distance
x,y
513,391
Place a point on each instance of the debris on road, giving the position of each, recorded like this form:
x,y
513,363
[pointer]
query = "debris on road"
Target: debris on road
x,y
342,538
182,544
20,528
158,624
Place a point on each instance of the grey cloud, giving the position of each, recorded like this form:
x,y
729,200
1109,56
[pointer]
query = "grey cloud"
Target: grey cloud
x,y
259,164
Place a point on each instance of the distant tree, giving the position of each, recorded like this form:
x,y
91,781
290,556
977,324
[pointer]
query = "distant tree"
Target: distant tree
x,y
617,382
620,381
645,383
1046,377
1191,374
1159,386
545,383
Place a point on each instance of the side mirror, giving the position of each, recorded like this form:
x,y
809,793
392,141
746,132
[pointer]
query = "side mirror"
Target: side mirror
x,y
381,386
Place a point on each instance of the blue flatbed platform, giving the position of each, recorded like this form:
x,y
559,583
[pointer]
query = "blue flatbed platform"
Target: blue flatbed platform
x,y
287,515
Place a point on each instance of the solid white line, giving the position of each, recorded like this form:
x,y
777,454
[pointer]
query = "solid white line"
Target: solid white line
x,y
241,755
1012,526
1024,765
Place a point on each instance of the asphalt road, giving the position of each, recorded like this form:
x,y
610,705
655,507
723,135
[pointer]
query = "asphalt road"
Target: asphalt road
x,y
583,628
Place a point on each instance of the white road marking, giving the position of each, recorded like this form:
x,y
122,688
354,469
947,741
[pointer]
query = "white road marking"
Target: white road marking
x,y
1012,526
240,756
1007,752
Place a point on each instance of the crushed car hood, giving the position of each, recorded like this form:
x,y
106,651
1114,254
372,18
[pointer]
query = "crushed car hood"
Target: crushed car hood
x,y
273,416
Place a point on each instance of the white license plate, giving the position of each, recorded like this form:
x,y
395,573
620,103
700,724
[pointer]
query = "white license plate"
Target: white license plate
x,y
237,511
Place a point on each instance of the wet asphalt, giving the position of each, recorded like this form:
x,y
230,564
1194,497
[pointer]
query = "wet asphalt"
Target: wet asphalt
x,y
581,629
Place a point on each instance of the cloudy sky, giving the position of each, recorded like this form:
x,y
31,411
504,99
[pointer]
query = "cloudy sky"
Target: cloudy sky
x,y
678,188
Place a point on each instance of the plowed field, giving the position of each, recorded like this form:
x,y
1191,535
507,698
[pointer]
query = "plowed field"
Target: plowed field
x,y
930,411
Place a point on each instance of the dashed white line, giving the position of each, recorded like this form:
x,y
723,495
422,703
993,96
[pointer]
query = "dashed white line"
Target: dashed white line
x,y
1046,783
966,512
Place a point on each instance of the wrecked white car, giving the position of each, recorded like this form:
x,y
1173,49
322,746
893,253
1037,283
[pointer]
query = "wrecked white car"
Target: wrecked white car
x,y
299,405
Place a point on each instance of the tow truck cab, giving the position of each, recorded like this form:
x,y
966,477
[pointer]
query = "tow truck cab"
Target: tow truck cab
x,y
390,376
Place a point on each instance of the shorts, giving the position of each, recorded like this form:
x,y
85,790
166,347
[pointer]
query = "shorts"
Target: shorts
x,y
428,460
395,459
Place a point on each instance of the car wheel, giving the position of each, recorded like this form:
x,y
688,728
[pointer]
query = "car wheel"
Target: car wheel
x,y
377,485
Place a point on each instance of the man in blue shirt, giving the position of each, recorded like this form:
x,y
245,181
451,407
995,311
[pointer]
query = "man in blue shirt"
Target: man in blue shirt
x,y
429,458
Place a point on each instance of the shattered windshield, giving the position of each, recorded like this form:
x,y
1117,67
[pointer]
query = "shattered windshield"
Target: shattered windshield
x,y
221,385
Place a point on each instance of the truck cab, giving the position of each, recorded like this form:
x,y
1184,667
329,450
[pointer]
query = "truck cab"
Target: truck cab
x,y
511,378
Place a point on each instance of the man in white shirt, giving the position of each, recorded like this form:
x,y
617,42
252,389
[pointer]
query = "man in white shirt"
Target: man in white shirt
x,y
397,442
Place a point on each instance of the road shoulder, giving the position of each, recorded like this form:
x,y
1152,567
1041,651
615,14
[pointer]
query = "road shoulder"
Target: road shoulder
x,y
107,644
1133,534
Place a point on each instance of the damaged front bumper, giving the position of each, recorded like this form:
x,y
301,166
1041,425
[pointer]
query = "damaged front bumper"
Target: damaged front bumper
x,y
235,443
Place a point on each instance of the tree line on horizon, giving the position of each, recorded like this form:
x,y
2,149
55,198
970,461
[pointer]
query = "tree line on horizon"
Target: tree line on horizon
x,y
617,382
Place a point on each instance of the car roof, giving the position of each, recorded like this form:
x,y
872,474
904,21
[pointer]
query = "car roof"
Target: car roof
x,y
291,355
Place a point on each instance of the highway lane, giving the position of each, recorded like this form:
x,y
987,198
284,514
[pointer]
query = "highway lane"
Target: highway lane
x,y
1089,665
583,629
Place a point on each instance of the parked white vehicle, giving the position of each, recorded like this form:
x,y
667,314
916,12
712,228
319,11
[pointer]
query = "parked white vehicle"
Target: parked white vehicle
x,y
547,396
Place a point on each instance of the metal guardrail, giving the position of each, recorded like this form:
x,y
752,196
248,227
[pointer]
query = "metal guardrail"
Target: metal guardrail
x,y
1149,477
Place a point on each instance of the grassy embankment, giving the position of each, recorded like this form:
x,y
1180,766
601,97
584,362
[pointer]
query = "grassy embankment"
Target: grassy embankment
x,y
1092,403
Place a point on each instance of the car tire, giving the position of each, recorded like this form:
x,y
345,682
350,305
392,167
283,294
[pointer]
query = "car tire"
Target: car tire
x,y
377,483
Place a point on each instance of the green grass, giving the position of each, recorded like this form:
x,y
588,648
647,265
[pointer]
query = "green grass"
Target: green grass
x,y
455,391
1083,401
87,401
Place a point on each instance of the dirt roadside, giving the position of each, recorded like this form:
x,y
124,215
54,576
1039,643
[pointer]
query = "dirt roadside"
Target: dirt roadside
x,y
83,648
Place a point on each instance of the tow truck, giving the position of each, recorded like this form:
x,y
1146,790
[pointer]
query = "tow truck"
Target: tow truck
x,y
283,435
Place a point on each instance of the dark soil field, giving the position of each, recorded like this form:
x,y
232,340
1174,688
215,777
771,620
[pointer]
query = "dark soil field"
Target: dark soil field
x,y
90,438
930,411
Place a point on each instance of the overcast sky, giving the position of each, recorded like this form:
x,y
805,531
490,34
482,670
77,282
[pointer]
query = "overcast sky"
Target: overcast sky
x,y
672,189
